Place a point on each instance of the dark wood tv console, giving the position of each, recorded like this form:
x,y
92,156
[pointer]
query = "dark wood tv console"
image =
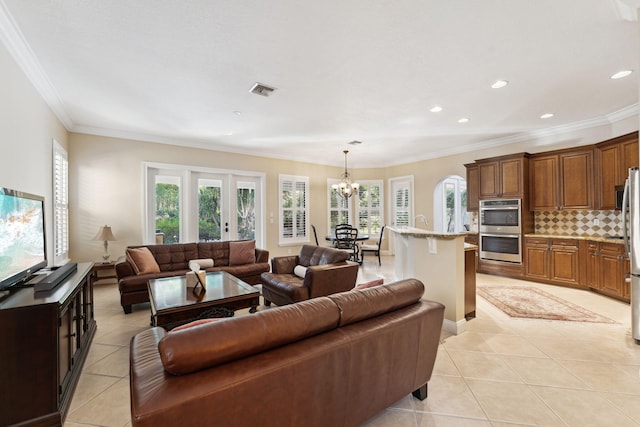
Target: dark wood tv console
x,y
44,341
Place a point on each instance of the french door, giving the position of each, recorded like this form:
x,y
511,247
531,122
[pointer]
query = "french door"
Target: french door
x,y
226,207
202,206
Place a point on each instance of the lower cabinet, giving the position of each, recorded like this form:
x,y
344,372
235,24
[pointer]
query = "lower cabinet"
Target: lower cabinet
x,y
44,345
606,269
552,260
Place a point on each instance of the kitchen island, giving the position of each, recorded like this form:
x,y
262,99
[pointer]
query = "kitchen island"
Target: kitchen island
x,y
438,260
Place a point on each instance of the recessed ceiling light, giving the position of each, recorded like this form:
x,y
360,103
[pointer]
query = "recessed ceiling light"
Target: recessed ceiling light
x,y
237,113
463,120
436,109
499,83
355,143
546,115
621,74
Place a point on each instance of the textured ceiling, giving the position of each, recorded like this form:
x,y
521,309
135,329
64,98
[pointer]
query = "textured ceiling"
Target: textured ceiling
x,y
180,71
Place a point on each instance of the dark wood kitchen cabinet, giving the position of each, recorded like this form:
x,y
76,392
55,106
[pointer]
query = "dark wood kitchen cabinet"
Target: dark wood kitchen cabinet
x,y
562,180
503,177
45,341
554,261
606,269
472,187
613,158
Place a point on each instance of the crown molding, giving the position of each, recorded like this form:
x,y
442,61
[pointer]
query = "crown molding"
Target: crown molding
x,y
624,113
19,49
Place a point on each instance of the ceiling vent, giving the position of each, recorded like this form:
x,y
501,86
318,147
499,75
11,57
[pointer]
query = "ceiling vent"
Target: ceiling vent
x,y
260,89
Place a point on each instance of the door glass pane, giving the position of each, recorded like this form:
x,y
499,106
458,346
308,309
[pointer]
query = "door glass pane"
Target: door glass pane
x,y
209,208
246,219
450,202
167,209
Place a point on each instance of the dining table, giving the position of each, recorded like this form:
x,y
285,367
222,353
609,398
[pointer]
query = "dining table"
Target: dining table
x,y
360,238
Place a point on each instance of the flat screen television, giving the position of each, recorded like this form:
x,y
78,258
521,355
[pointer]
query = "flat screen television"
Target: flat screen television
x,y
22,236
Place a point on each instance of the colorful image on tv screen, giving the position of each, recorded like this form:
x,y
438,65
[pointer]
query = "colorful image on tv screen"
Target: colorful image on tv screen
x,y
21,234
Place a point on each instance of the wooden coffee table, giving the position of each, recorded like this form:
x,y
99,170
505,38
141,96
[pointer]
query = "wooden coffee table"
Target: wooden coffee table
x,y
172,301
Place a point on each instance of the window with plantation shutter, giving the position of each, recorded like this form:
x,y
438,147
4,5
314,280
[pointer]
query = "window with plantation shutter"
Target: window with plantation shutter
x,y
60,204
370,208
294,209
402,201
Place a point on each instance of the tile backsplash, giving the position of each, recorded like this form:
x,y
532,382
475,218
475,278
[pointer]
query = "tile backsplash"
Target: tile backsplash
x,y
579,223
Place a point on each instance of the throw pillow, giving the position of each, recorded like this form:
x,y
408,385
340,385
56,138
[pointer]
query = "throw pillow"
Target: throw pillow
x,y
370,284
192,324
204,263
300,271
242,252
142,260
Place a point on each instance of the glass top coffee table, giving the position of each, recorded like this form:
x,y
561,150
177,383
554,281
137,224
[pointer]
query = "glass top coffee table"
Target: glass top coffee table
x,y
172,301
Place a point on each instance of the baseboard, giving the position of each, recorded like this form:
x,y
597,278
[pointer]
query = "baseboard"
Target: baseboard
x,y
455,328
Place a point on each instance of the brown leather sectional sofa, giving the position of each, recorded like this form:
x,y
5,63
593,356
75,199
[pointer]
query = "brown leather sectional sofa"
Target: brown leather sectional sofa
x,y
329,361
173,260
327,272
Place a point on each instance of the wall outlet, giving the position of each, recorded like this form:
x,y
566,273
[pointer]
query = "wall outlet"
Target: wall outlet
x,y
596,221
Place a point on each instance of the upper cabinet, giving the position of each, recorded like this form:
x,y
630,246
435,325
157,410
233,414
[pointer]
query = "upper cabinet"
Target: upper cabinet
x,y
575,178
613,159
503,177
472,187
562,180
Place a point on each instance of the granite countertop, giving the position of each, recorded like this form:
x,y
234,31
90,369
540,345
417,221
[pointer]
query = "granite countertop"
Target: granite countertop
x,y
419,232
470,247
583,237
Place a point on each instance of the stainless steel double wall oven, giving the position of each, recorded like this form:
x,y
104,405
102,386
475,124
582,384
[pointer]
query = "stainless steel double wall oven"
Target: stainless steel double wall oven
x,y
501,230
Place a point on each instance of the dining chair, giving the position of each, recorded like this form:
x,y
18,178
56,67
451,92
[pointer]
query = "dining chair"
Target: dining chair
x,y
375,248
347,240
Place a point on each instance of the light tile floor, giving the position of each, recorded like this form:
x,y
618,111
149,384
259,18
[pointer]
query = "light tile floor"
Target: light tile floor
x,y
501,372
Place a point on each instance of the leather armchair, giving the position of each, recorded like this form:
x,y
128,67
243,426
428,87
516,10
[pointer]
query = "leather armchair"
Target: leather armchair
x,y
327,272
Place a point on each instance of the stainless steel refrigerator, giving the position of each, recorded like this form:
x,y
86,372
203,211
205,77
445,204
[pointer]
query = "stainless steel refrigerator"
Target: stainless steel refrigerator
x,y
631,233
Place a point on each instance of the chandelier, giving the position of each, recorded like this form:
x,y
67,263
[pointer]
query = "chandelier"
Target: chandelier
x,y
346,188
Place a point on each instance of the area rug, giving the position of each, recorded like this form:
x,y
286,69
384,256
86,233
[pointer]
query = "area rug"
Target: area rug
x,y
533,303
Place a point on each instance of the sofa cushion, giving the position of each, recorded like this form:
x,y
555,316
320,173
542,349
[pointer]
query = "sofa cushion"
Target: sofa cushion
x,y
371,302
142,260
242,252
217,251
289,286
194,323
193,349
317,255
174,256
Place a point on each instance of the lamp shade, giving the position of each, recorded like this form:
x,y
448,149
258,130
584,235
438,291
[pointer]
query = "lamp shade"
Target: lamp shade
x,y
105,234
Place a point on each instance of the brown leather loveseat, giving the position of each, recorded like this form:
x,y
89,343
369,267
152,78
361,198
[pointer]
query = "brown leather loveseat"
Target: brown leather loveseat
x,y
173,260
329,361
320,271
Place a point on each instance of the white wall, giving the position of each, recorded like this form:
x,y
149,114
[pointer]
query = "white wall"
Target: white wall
x,y
106,181
27,128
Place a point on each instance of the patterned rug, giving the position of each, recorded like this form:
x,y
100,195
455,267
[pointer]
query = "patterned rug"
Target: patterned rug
x,y
533,303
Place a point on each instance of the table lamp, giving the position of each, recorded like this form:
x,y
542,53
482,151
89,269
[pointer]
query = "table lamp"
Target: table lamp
x,y
106,236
